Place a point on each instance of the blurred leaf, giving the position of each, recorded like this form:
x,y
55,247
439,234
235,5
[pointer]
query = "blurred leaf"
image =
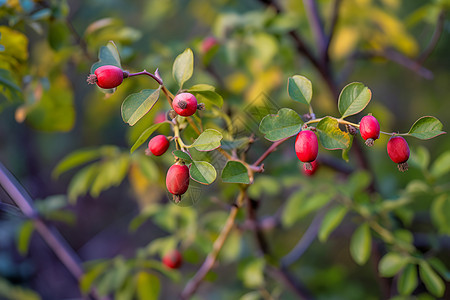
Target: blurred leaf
x,y
208,140
426,128
331,220
201,88
407,282
182,155
75,159
235,172
148,286
440,213
24,237
183,67
251,272
361,244
331,136
145,135
439,266
432,281
148,168
392,263
55,110
172,274
9,291
284,124
110,173
300,89
8,86
209,98
202,172
346,151
441,165
421,158
136,105
302,203
108,55
235,144
127,291
163,245
87,280
82,181
354,98
58,34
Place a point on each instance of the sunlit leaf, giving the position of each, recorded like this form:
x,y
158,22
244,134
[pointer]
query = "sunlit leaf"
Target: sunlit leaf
x,y
361,244
145,135
354,98
75,159
24,237
148,286
426,128
407,282
392,263
108,55
300,89
432,281
183,67
331,220
208,140
331,136
284,124
135,106
202,172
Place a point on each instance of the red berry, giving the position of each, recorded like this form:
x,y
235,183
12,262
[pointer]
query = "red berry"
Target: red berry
x,y
369,129
208,43
159,118
107,77
185,104
177,180
172,259
158,145
314,165
306,146
398,151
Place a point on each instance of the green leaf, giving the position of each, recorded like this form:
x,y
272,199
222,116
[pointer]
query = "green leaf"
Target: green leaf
x,y
439,266
235,172
81,182
58,34
208,140
441,165
407,282
183,67
440,213
300,89
89,277
331,136
202,172
108,55
110,173
24,237
361,244
346,151
209,98
147,167
426,128
145,135
201,88
182,155
354,98
135,106
235,144
302,203
148,286
75,159
284,124
432,281
251,272
421,158
331,220
392,263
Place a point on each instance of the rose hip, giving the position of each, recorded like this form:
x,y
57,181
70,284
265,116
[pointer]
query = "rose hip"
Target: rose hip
x,y
185,104
306,147
398,151
369,129
107,77
158,145
177,180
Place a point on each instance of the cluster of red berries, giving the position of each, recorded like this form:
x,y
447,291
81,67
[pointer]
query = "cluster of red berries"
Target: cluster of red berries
x,y
307,146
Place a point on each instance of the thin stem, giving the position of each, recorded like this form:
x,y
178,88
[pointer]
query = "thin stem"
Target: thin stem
x,y
193,284
148,74
271,149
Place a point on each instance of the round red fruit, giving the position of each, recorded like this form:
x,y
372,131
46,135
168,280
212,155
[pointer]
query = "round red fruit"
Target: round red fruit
x,y
108,77
314,165
158,145
177,180
369,129
172,259
185,104
306,146
398,151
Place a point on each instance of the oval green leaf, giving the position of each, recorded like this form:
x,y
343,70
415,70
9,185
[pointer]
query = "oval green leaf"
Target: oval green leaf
x,y
391,264
407,282
75,159
108,55
361,244
284,124
147,286
202,172
182,155
145,135
201,88
426,128
235,172
208,140
331,136
135,106
354,98
300,89
209,98
441,165
432,281
183,67
331,220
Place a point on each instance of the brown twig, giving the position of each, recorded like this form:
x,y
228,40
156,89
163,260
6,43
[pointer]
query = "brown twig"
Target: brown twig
x,y
271,149
332,30
434,39
312,13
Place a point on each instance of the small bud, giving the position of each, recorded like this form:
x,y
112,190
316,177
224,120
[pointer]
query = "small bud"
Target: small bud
x,y
350,129
370,142
403,167
201,106
172,114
